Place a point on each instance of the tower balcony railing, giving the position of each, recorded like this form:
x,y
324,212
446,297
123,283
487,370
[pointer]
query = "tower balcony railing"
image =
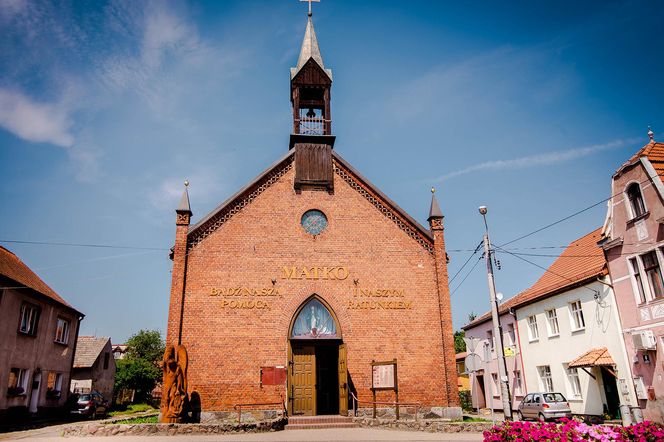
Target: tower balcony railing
x,y
313,125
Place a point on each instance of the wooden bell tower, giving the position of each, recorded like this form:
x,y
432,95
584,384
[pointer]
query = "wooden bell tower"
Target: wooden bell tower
x,y
312,136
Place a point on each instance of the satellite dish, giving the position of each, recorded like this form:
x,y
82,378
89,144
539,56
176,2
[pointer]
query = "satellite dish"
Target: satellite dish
x,y
499,296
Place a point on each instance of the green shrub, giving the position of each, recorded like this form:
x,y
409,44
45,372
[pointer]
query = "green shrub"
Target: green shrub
x,y
466,400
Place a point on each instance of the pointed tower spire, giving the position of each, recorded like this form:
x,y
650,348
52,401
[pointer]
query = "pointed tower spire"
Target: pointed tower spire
x,y
312,137
434,210
184,206
310,50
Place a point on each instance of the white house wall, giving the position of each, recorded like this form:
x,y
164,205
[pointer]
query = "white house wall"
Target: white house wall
x,y
602,329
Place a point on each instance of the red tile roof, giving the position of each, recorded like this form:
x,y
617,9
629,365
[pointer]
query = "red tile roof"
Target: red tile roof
x,y
15,269
593,358
655,153
580,261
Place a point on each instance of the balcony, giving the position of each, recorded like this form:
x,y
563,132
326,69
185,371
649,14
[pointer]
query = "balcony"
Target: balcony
x,y
313,126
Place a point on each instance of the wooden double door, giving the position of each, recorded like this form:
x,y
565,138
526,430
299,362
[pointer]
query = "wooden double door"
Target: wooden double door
x,y
317,379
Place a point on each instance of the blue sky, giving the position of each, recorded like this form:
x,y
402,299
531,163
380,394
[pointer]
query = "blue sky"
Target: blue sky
x,y
106,107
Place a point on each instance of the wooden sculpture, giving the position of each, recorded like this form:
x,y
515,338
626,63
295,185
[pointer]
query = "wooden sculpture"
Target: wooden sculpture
x,y
174,400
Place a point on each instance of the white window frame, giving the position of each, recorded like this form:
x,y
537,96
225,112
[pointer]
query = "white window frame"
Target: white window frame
x,y
574,314
644,275
495,384
62,334
57,384
518,383
545,378
628,202
21,379
641,292
29,319
550,321
511,334
487,351
533,328
573,382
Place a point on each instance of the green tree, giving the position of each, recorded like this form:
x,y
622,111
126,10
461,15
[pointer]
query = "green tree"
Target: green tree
x,y
137,374
146,345
140,370
459,343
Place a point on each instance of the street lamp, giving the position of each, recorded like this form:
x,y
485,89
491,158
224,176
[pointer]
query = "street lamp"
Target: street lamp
x,y
497,329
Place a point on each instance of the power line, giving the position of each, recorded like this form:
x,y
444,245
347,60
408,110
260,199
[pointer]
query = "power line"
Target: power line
x,y
556,222
99,246
466,277
544,268
465,263
568,217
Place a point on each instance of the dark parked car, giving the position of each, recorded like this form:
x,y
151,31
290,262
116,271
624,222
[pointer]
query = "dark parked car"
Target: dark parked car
x,y
90,404
544,406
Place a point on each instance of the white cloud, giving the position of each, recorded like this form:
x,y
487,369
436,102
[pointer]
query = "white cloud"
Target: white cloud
x,y
33,121
545,159
86,162
11,8
205,184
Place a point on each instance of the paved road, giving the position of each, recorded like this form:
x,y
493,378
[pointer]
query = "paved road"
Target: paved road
x,y
52,434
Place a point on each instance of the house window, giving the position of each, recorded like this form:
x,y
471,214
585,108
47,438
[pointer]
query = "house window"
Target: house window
x,y
635,200
107,357
487,351
636,274
62,331
578,323
518,383
653,274
546,383
552,321
496,385
533,332
29,319
491,339
574,383
54,384
18,381
511,336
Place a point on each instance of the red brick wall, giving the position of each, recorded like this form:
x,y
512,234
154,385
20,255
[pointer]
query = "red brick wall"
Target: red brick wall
x,y
228,346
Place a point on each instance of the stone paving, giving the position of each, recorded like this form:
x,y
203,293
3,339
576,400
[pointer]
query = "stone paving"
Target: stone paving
x,y
330,435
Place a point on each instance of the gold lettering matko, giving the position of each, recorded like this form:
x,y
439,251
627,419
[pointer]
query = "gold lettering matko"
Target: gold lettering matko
x,y
325,273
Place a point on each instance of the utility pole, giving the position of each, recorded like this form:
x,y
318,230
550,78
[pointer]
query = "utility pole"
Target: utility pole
x,y
497,329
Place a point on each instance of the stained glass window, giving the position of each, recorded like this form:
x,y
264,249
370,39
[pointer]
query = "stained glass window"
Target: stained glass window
x,y
314,322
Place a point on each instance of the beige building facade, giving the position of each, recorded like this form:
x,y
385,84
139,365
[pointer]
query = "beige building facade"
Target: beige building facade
x,y
37,342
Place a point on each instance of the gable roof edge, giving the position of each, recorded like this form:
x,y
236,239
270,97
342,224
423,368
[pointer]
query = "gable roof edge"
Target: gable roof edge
x,y
652,174
203,221
394,206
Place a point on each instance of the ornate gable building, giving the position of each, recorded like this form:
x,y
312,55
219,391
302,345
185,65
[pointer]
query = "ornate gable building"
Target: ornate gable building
x,y
289,290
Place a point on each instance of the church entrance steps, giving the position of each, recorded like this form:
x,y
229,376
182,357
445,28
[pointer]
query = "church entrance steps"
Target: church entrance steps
x,y
313,422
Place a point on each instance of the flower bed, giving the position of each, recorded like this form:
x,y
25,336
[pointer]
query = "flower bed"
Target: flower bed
x,y
571,430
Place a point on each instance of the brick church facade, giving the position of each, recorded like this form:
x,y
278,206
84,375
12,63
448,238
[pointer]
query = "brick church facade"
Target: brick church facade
x,y
290,289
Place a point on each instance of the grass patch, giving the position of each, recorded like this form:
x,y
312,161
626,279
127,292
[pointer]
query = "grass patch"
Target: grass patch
x,y
140,420
474,419
131,409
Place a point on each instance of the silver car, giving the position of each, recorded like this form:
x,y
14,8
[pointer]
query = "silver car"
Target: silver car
x,y
544,406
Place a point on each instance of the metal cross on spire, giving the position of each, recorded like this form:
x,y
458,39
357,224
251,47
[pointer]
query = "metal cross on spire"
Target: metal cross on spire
x,y
310,1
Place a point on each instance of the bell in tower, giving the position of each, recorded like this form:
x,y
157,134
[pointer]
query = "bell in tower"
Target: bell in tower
x,y
312,136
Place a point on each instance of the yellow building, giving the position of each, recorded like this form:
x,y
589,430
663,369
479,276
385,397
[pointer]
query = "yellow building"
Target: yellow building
x,y
463,381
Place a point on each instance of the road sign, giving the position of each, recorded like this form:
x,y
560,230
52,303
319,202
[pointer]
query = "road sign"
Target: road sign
x,y
473,362
471,344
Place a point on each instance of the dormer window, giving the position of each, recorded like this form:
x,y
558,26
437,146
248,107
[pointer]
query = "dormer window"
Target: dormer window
x,y
635,198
